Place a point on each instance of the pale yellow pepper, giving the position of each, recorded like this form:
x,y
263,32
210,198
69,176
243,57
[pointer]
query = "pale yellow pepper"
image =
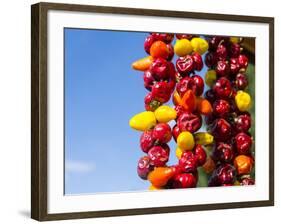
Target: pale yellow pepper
x,y
199,45
143,121
210,77
243,100
153,188
179,152
182,47
164,114
235,40
203,138
185,140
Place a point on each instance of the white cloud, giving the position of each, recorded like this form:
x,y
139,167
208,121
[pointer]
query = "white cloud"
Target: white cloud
x,y
72,166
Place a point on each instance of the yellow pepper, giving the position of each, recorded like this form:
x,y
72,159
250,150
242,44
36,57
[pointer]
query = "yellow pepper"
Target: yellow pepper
x,y
235,40
179,152
143,121
165,114
243,100
153,188
199,45
185,141
182,47
203,138
237,183
210,77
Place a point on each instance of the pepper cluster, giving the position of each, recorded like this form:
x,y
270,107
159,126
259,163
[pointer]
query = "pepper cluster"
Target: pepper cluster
x,y
160,79
190,107
231,160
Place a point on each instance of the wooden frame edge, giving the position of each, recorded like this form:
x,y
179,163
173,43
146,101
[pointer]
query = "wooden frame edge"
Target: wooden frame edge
x,y
271,110
39,111
157,210
153,12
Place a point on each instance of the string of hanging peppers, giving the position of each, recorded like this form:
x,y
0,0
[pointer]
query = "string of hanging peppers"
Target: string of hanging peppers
x,y
229,157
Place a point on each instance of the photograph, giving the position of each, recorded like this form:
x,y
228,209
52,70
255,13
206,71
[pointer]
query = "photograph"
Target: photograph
x,y
154,111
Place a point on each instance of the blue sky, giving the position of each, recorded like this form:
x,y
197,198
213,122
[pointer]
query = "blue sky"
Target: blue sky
x,y
102,93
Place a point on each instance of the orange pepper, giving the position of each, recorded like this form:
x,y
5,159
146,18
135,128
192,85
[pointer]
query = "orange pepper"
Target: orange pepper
x,y
160,176
159,50
203,106
243,164
142,64
188,101
176,98
209,165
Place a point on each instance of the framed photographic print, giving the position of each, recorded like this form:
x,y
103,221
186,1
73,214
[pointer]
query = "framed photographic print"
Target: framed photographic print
x,y
138,111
